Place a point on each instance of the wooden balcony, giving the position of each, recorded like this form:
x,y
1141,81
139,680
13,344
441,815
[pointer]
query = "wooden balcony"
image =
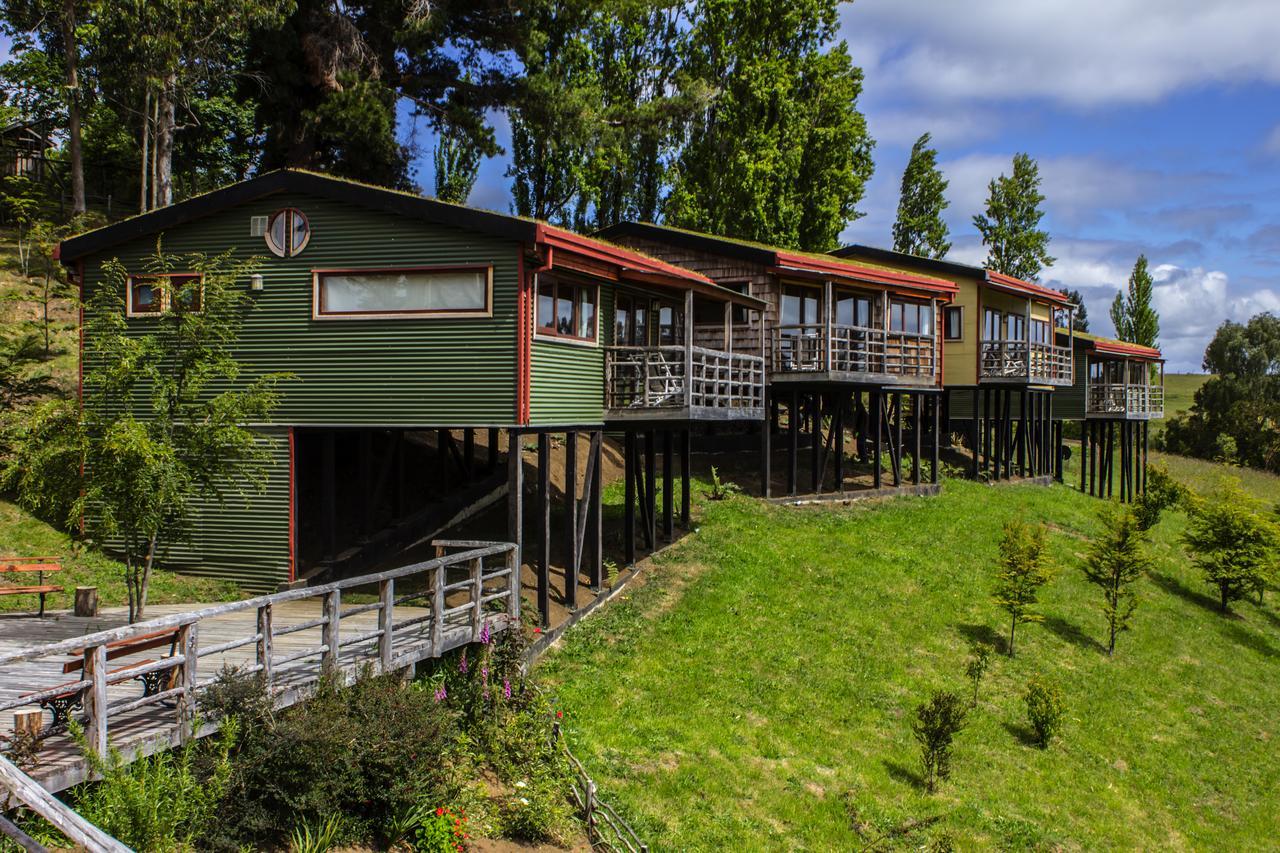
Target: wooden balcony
x,y
855,354
1024,363
1124,401
682,383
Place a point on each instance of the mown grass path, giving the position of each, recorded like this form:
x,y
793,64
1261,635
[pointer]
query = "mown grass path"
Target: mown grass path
x,y
756,692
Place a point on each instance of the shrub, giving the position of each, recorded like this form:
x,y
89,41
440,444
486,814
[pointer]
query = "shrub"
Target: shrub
x,y
1044,710
1117,560
976,668
160,802
371,751
1162,492
1024,568
441,831
937,723
720,490
318,838
1231,541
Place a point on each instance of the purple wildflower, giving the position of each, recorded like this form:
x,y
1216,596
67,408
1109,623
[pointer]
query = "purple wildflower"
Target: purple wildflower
x,y
442,693
484,634
506,689
462,662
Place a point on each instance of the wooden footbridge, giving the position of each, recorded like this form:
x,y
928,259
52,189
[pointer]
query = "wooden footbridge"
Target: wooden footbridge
x,y
137,688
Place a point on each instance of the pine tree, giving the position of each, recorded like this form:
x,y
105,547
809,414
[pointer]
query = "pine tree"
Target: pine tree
x,y
1079,317
1117,560
1120,317
1016,245
919,229
1024,568
1143,323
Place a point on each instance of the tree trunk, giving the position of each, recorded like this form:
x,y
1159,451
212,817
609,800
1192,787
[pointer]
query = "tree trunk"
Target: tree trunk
x,y
145,583
164,142
143,198
1111,645
73,106
1222,588
1013,624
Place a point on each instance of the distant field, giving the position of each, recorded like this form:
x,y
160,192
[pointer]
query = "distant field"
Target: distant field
x,y
756,692
1179,393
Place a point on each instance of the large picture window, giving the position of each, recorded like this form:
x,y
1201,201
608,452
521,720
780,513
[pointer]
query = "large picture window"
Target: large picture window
x,y
913,318
567,310
152,295
426,291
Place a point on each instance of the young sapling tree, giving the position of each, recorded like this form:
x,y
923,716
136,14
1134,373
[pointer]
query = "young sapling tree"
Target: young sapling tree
x,y
1232,541
1024,568
976,668
1117,560
1044,710
937,723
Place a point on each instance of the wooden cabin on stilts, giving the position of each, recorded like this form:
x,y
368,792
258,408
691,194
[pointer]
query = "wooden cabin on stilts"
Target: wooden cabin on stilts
x,y
854,359
1002,364
1118,391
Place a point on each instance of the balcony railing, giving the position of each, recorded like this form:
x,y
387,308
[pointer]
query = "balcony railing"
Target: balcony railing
x,y
854,349
1122,400
1026,361
675,377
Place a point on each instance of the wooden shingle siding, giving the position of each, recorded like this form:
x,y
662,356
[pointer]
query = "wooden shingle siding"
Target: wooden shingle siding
x,y
719,268
410,372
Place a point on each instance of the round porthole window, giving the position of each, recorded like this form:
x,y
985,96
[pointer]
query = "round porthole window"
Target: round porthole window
x,y
288,232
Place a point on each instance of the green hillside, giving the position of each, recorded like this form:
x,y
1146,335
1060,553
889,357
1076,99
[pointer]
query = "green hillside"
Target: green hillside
x,y
756,693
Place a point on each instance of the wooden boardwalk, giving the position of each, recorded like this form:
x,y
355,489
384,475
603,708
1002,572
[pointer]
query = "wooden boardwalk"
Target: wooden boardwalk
x,y
290,637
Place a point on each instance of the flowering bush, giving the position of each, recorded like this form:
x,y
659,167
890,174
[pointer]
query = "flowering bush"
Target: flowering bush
x,y
441,831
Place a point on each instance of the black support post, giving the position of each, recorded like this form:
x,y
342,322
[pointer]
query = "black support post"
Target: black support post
x,y
595,515
571,552
329,487
492,458
544,529
837,430
686,477
877,412
793,431
766,449
668,486
815,443
629,496
515,494
650,491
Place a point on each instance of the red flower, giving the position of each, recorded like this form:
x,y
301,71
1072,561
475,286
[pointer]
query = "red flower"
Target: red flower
x,y
559,715
537,630
439,812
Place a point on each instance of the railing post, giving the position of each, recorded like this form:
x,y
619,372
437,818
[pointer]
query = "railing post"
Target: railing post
x,y
95,699
437,612
386,625
332,617
264,645
688,348
188,642
513,588
477,597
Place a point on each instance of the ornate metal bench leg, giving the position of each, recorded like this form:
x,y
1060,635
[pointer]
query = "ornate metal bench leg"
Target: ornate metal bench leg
x,y
154,682
60,708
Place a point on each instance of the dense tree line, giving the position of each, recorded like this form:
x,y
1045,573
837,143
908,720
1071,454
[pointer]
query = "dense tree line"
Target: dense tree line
x,y
735,116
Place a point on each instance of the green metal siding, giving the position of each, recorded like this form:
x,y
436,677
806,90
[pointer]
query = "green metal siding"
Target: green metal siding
x,y
410,372
567,378
1068,403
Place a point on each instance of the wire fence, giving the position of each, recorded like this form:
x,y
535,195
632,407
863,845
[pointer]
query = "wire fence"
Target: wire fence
x,y
605,827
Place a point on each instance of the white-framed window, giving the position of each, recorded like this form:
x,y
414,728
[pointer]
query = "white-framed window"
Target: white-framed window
x,y
953,322
913,318
567,310
154,294
403,293
288,232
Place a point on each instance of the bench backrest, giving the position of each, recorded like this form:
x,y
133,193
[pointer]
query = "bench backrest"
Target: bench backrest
x,y
129,646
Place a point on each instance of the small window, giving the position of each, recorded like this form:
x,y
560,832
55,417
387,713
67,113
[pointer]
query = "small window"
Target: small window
x,y
991,324
151,295
897,318
567,310
403,293
288,232
670,325
954,317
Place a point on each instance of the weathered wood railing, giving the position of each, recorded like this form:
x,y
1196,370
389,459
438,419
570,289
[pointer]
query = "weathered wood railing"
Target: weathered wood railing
x,y
813,347
450,601
1026,361
677,377
1120,400
19,789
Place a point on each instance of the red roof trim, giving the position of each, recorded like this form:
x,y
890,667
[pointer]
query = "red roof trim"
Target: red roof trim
x,y
1028,288
856,272
1122,348
610,253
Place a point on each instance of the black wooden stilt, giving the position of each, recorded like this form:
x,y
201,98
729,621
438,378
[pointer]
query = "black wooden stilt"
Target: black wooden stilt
x,y
442,461
975,433
515,495
686,477
572,555
938,407
898,444
595,513
917,420
861,439
544,529
1022,433
492,458
629,498
986,430
766,449
1146,454
668,486
330,491
793,430
468,454
651,487
367,502
815,444
877,407
1084,456
837,428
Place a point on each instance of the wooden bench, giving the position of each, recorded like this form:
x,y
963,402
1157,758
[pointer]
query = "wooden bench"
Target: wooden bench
x,y
23,565
153,681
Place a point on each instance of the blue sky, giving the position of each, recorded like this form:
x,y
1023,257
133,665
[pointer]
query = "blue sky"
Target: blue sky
x,y
1156,124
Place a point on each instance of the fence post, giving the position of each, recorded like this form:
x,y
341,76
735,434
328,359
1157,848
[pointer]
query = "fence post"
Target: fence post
x,y
188,641
264,645
387,596
477,598
332,615
95,700
591,809
513,588
437,613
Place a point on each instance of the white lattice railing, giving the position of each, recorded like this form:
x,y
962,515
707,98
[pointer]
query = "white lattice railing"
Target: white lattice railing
x,y
1120,399
1033,362
676,377
853,349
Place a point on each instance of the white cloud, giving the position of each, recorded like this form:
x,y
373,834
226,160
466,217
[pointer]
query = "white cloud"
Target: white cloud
x,y
1080,52
1271,145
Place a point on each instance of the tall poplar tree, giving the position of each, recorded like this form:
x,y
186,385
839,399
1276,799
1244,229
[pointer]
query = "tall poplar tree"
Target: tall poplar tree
x,y
1016,244
1141,322
919,229
781,154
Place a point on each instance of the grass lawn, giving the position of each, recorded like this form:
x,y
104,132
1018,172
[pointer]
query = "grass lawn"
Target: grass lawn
x,y
1179,393
756,692
23,535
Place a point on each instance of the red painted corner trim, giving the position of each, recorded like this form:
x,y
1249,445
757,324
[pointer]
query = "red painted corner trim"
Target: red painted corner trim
x,y
293,500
